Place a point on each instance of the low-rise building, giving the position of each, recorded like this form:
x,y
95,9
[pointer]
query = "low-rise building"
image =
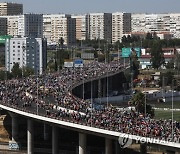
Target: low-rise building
x,y
145,59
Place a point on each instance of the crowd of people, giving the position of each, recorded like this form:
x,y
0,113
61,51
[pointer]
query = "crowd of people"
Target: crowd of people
x,y
51,95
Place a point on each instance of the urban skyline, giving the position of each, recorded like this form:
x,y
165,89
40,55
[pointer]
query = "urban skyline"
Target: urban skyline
x,y
80,6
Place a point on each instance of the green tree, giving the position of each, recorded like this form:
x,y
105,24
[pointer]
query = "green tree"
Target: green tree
x,y
5,75
155,37
138,100
170,64
28,71
2,75
157,57
149,36
168,78
52,66
134,63
59,54
2,60
124,39
16,71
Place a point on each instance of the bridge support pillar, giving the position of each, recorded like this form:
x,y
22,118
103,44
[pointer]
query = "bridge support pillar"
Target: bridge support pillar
x,y
82,143
143,148
104,88
108,146
55,148
13,144
99,89
117,147
14,126
45,135
30,137
110,83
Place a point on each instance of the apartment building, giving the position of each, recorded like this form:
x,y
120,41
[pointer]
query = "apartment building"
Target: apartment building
x,y
10,9
12,25
27,51
100,26
25,25
121,24
58,26
159,23
81,26
174,24
30,25
3,26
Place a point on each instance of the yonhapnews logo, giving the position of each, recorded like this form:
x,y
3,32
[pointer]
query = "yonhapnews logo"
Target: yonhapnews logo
x,y
124,141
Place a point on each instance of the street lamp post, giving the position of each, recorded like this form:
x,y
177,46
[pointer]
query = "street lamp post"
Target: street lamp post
x,y
23,49
83,84
145,107
6,83
172,108
91,101
107,89
37,107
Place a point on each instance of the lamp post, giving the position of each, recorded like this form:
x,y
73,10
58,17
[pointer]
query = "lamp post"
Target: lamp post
x,y
23,49
91,101
145,107
6,81
83,83
37,79
6,78
107,88
172,108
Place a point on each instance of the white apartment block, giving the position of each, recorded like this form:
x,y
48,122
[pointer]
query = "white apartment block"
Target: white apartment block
x,y
27,51
174,25
157,23
147,23
58,26
10,9
3,26
100,26
25,25
121,24
81,26
12,25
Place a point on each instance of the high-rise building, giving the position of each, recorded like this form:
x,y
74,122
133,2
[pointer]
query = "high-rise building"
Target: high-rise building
x,y
81,26
10,9
121,24
30,25
100,26
27,52
58,26
12,25
25,25
3,26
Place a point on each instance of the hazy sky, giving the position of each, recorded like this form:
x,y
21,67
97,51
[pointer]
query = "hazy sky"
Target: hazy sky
x,y
86,6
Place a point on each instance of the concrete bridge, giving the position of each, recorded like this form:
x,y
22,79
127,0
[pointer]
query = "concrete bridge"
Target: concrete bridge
x,y
82,128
